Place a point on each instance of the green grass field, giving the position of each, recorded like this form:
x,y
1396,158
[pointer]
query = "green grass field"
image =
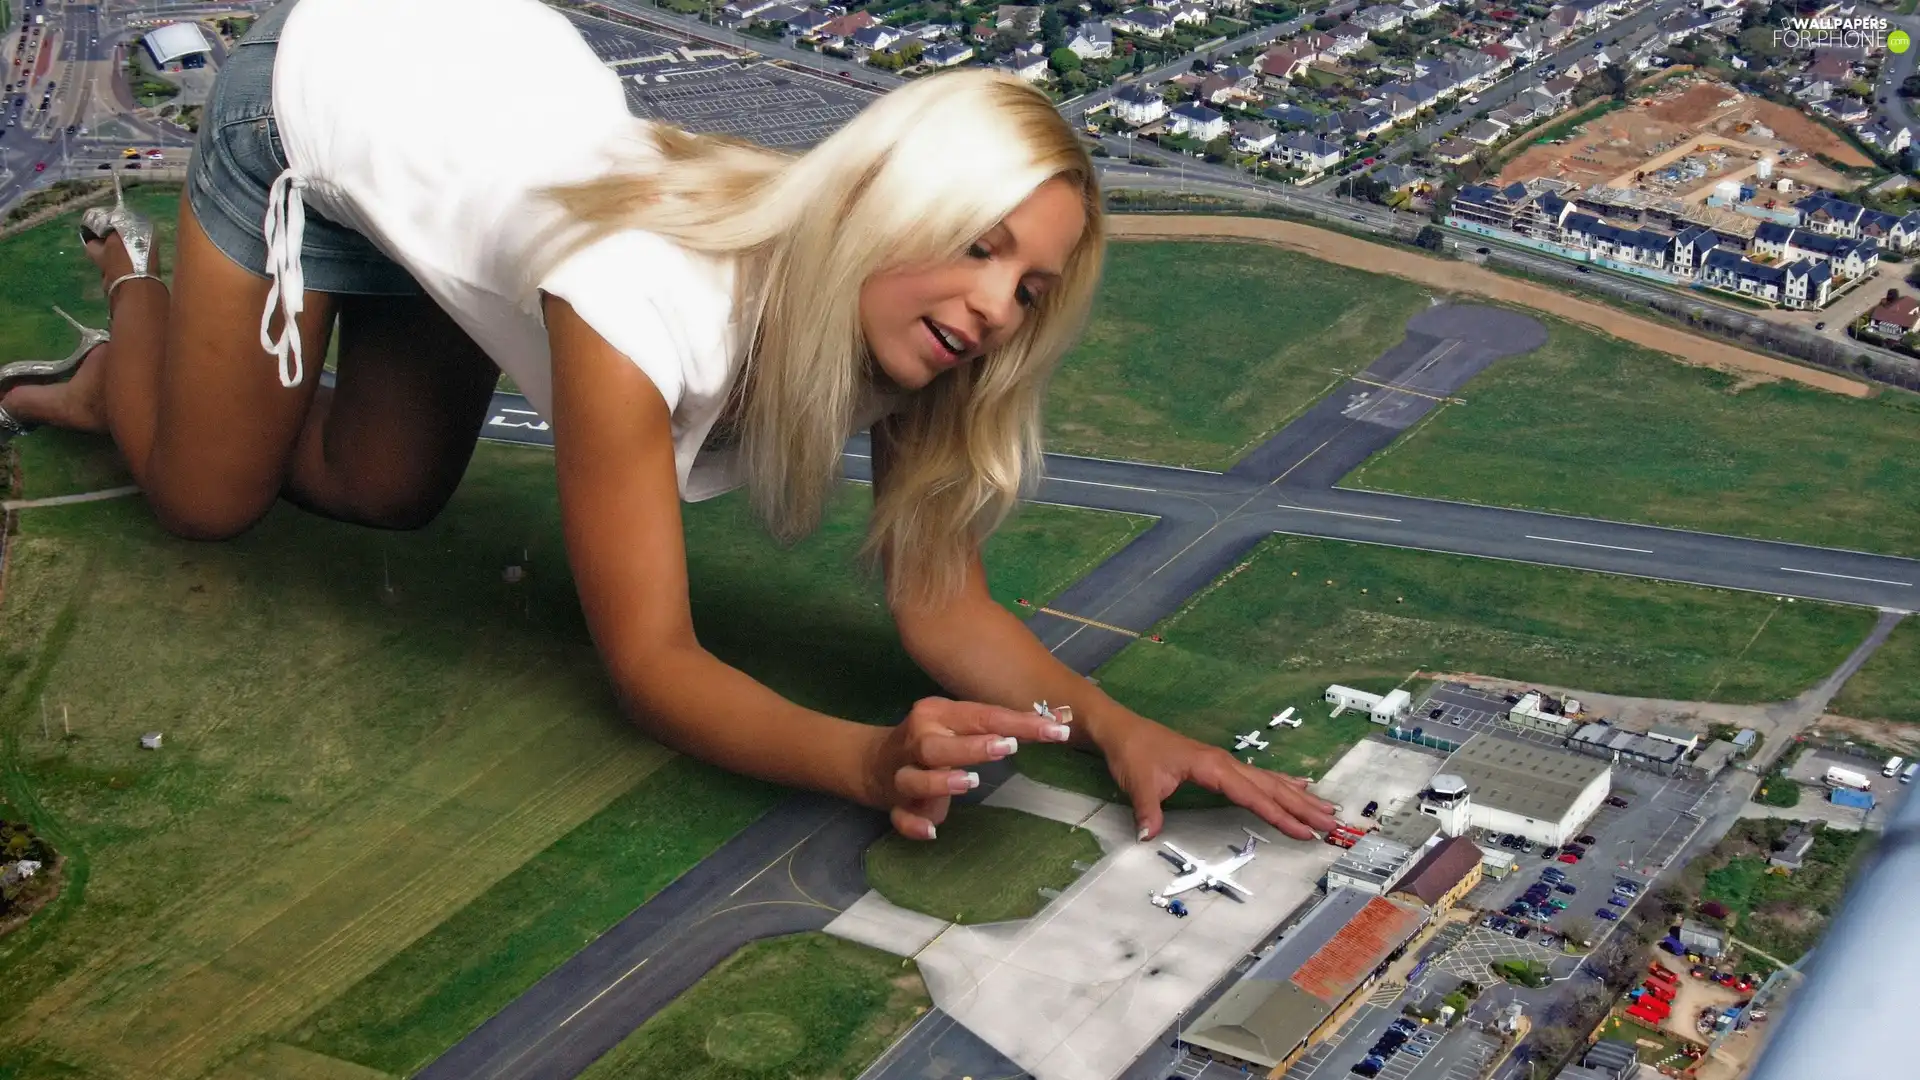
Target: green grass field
x,y
378,755
989,865
1595,427
1780,915
1296,619
1887,686
1254,335
808,1005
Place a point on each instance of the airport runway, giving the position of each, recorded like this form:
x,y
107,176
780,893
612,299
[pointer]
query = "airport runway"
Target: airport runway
x,y
797,866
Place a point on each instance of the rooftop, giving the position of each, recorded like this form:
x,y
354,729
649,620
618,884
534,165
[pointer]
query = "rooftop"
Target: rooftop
x,y
1444,866
1321,961
1528,779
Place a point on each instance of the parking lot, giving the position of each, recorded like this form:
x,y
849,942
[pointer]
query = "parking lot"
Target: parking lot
x,y
1811,770
1461,1054
1633,843
617,45
1476,711
765,103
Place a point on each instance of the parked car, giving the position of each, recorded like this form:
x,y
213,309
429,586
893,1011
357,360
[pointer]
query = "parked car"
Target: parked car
x,y
1564,887
1617,802
1435,714
1619,901
1585,838
1608,914
1576,850
1569,857
1370,809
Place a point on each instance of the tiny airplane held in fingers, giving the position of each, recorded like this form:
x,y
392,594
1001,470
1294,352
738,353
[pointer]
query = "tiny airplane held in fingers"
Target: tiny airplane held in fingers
x,y
1251,738
1197,873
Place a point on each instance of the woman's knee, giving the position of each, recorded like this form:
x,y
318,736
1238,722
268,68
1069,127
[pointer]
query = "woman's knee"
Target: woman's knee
x,y
196,516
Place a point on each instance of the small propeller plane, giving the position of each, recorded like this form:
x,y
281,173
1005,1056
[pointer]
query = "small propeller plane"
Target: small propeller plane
x,y
1197,873
1251,738
1284,718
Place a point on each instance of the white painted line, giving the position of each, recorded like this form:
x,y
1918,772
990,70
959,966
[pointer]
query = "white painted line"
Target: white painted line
x,y
1846,577
1335,513
1096,483
1583,543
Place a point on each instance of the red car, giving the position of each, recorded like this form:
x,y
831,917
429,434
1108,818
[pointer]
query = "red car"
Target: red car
x,y
1569,858
40,167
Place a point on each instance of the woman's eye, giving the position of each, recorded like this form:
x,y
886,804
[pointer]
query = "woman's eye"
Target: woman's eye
x,y
977,252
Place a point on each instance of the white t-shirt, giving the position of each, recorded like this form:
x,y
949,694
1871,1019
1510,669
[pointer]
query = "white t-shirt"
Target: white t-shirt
x,y
430,126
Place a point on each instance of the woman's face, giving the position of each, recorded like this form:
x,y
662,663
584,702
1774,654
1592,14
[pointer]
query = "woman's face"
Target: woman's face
x,y
921,321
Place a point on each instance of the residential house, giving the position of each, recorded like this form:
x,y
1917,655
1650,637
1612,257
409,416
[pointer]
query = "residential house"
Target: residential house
x,y
1217,89
947,54
1809,283
1889,138
1814,92
1502,57
1189,14
1529,44
1396,106
1420,9
1535,208
1847,110
1831,65
1379,18
1293,116
1019,18
1421,93
1365,122
841,27
1401,178
1253,138
808,22
1485,132
1321,44
1284,61
1850,258
1895,317
1347,39
1142,21
1690,249
1091,41
1561,87
1136,105
1308,153
1029,62
1823,213
1727,269
873,39
740,12
1196,120
1453,151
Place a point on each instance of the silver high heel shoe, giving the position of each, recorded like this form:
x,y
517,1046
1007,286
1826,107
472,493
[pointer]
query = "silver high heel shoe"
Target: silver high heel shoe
x,y
136,232
45,371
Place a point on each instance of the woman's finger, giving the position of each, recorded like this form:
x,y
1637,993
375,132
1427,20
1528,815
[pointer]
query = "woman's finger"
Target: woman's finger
x,y
918,784
911,825
956,751
976,718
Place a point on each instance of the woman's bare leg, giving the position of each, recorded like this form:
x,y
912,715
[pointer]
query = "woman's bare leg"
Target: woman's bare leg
x,y
191,399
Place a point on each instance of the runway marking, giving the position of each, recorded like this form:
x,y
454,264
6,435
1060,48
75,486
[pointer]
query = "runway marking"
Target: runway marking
x,y
1336,513
782,856
1846,577
1403,390
1583,543
1091,622
598,996
1097,483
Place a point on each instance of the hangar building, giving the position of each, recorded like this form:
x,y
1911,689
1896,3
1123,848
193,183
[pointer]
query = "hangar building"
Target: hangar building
x,y
1505,786
174,44
1305,988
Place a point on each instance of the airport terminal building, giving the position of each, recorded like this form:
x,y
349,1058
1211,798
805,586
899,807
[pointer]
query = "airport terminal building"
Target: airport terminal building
x,y
1503,785
1308,985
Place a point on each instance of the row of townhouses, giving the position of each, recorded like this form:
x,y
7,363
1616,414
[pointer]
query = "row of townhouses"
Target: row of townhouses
x,y
1833,241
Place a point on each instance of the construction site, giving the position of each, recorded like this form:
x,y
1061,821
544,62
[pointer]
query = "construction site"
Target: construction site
x,y
1695,139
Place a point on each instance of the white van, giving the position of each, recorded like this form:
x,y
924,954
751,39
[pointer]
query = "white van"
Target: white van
x,y
1892,767
1907,774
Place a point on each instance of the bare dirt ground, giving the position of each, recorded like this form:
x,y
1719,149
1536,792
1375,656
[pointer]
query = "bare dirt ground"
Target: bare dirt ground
x,y
1878,732
1651,133
1452,276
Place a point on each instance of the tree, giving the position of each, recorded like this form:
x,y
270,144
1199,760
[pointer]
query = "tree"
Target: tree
x,y
1064,60
1430,238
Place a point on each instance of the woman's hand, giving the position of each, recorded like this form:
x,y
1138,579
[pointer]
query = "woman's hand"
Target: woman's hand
x,y
1149,761
917,766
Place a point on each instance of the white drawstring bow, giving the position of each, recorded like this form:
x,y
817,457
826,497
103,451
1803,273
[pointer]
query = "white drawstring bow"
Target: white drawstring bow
x,y
285,228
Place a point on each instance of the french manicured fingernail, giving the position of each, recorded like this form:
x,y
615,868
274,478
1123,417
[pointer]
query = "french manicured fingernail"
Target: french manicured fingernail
x,y
930,832
1004,745
966,781
1143,832
1057,732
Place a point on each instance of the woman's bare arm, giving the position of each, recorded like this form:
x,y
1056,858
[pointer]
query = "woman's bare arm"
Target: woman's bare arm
x,y
620,512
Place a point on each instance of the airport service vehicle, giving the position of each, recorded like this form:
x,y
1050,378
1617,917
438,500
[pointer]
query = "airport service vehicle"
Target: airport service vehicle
x,y
1251,738
1838,777
1175,908
1218,876
1892,767
1284,718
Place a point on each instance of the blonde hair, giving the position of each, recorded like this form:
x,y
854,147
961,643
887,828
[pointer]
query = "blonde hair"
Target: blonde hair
x,y
915,178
